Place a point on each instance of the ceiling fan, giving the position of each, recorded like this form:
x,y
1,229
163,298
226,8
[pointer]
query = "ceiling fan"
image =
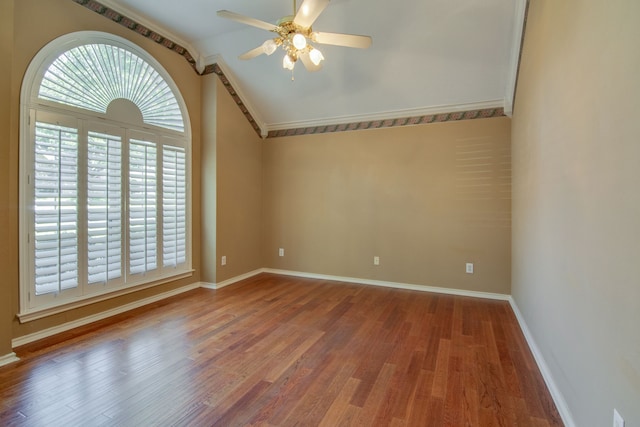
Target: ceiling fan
x,y
295,36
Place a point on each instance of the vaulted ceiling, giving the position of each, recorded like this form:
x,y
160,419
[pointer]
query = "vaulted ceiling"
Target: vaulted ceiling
x,y
428,56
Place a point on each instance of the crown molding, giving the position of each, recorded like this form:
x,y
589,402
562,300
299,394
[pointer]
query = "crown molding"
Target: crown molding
x,y
517,39
387,115
480,110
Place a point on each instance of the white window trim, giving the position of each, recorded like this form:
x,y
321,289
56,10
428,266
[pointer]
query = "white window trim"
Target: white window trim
x,y
28,102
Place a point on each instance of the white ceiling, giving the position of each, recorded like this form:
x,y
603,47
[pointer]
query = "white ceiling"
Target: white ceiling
x,y
427,56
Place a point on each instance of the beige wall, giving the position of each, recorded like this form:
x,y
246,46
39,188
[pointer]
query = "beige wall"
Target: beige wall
x,y
8,258
37,22
239,190
576,208
425,199
209,180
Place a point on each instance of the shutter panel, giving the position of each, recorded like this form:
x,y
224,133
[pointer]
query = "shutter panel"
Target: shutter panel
x,y
93,75
55,208
143,216
174,201
104,207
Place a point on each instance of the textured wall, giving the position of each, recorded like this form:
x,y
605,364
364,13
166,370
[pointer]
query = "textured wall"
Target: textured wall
x,y
8,258
425,199
239,190
209,170
576,207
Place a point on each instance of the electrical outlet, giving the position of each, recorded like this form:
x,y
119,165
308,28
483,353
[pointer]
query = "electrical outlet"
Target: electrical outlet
x,y
281,252
469,268
376,260
618,421
223,260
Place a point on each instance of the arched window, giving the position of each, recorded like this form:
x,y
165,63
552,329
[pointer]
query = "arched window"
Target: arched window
x,y
105,171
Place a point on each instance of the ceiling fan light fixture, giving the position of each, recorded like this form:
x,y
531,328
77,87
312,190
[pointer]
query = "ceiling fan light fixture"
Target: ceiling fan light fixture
x,y
269,46
299,41
288,62
295,36
316,56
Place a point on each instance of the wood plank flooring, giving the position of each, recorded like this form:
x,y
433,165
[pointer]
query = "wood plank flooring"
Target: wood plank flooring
x,y
283,351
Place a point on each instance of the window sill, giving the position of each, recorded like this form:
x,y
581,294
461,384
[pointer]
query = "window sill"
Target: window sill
x,y
42,312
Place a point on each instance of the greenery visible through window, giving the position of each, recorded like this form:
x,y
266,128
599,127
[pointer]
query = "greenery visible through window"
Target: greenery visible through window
x,y
108,199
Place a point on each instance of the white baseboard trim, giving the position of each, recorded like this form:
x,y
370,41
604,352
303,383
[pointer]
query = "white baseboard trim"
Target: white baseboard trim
x,y
8,358
26,339
207,285
396,285
557,396
232,280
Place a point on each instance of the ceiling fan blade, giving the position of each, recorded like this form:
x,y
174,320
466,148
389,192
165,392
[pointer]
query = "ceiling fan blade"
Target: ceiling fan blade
x,y
252,53
246,20
308,12
338,39
308,64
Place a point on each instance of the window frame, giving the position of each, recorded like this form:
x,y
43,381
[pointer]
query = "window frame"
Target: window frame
x,y
87,121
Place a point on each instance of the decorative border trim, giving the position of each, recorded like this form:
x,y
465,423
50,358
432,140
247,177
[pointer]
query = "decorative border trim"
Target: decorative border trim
x,y
387,123
215,68
8,358
556,395
143,30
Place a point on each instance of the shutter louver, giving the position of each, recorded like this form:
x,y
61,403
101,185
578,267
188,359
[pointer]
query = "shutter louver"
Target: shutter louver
x,y
93,75
104,207
174,200
142,206
56,208
104,188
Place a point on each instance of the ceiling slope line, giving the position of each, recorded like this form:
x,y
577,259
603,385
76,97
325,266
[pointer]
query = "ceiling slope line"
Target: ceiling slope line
x,y
219,69
520,24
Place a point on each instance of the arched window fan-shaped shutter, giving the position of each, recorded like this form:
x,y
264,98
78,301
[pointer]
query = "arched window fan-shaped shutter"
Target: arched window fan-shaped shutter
x,y
93,75
105,156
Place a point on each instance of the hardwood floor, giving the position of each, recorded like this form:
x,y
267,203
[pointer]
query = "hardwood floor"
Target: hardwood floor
x,y
280,351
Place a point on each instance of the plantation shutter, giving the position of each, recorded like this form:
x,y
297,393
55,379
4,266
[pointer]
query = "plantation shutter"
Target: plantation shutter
x,y
104,207
143,218
55,208
104,174
174,201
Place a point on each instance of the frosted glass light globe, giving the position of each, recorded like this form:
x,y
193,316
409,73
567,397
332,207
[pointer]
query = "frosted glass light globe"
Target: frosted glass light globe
x,y
299,41
288,63
316,56
269,47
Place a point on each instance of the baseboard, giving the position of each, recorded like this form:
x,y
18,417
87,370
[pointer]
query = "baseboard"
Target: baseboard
x,y
26,339
8,358
207,285
557,396
396,285
232,280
